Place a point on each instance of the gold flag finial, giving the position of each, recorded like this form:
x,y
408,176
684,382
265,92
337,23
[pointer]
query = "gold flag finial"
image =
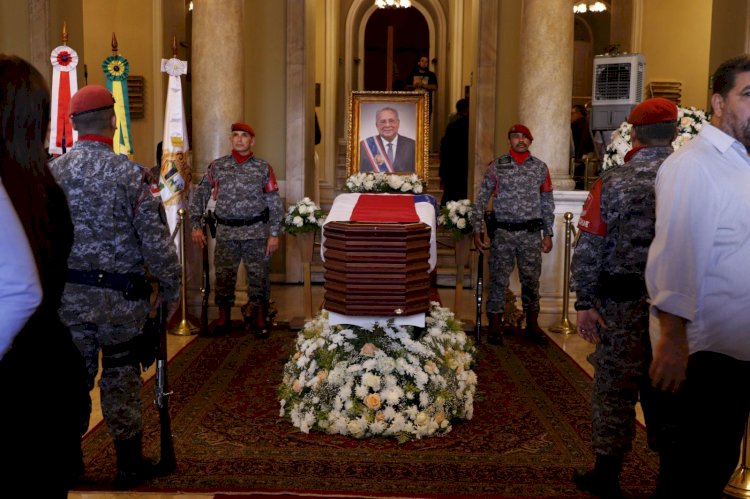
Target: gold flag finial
x,y
174,46
114,44
65,33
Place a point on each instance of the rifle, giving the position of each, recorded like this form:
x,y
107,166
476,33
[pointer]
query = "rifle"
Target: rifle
x,y
479,292
205,291
167,461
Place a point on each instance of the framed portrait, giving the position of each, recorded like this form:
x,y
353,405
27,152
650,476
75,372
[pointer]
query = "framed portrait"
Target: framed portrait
x,y
388,132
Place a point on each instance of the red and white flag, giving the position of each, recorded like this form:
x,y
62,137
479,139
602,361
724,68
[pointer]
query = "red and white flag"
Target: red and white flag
x,y
64,85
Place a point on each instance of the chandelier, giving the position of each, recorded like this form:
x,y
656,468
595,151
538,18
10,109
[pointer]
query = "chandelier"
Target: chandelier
x,y
583,7
392,4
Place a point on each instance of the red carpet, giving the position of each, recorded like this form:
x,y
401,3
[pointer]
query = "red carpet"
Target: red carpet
x,y
531,429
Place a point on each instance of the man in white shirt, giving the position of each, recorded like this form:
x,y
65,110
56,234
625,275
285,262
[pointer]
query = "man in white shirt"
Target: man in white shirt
x,y
699,288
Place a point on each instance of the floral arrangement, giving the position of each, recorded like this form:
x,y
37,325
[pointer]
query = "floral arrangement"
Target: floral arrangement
x,y
455,216
689,122
395,381
303,216
384,182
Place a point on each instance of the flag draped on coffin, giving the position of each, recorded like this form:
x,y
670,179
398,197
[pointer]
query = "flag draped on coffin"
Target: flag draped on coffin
x,y
175,160
64,85
116,69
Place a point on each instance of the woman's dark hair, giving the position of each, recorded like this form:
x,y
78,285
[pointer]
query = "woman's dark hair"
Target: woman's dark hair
x,y
24,118
24,115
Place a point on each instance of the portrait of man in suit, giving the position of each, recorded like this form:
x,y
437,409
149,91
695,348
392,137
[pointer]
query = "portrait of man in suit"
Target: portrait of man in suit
x,y
387,151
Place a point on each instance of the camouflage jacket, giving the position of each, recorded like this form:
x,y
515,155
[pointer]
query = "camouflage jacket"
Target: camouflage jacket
x,y
617,224
519,193
118,228
241,194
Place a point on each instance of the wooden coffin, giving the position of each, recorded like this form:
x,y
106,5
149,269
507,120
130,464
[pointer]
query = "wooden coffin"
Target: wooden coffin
x,y
377,269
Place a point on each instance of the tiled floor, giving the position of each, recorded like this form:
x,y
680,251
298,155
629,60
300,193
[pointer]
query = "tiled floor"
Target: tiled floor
x,y
290,303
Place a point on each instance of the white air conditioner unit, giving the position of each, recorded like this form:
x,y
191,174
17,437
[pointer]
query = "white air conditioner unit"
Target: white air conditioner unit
x,y
617,87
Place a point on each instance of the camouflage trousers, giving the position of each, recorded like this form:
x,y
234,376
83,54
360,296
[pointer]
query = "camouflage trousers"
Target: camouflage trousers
x,y
119,387
508,248
621,362
227,257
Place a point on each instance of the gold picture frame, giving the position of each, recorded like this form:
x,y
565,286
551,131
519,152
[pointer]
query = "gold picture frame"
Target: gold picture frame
x,y
366,145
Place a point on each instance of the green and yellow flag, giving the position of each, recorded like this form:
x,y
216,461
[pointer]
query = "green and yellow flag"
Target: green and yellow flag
x,y
116,69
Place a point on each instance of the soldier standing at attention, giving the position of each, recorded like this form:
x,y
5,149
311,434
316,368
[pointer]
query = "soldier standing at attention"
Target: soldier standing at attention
x,y
520,188
617,226
118,235
248,213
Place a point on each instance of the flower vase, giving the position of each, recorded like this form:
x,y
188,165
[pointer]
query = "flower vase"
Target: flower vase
x,y
306,245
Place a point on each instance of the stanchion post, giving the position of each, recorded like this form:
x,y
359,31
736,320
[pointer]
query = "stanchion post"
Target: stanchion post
x,y
565,326
739,484
184,328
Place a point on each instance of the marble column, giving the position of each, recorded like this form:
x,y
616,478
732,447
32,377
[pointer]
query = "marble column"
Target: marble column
x,y
39,45
217,102
484,90
546,82
299,119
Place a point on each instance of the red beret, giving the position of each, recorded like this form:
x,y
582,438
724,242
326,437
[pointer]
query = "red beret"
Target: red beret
x,y
91,98
243,127
519,128
652,111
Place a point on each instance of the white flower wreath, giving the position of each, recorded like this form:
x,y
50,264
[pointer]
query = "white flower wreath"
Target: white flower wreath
x,y
384,182
689,122
401,382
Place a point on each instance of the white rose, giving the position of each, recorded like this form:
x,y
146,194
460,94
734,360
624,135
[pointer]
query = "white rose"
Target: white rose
x,y
417,188
298,221
461,224
302,209
405,187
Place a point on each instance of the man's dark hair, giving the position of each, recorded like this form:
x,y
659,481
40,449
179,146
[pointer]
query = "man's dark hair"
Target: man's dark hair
x,y
657,134
93,122
581,109
725,76
462,105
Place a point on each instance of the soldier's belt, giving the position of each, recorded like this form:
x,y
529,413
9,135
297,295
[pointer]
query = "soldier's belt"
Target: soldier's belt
x,y
242,222
621,287
133,286
533,225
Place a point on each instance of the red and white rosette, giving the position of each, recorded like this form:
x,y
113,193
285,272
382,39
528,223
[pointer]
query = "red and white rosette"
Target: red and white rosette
x,y
64,85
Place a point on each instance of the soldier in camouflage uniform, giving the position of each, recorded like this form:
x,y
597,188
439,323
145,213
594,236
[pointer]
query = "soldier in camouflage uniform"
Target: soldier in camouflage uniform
x,y
119,234
520,188
617,226
248,213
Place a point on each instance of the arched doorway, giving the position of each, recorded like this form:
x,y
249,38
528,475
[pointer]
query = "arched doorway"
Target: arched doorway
x,y
394,41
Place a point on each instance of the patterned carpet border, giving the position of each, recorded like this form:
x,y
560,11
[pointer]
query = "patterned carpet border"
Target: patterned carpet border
x,y
531,429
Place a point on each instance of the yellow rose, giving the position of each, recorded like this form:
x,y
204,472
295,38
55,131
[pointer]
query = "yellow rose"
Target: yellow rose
x,y
368,350
439,417
373,401
322,375
297,386
430,367
379,416
422,419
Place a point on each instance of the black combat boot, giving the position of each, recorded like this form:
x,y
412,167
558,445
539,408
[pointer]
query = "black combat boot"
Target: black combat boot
x,y
132,468
604,480
262,321
534,333
495,329
222,325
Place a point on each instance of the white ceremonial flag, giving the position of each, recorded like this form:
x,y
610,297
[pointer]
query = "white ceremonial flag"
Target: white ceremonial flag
x,y
175,176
